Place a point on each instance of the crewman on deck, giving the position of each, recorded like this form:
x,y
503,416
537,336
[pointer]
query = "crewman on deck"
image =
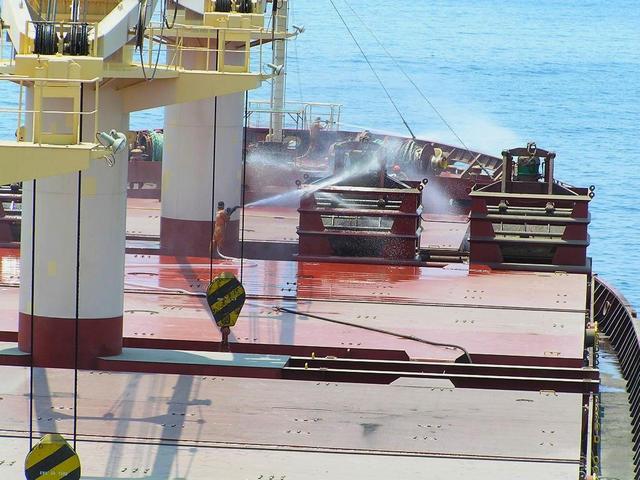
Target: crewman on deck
x,y
222,219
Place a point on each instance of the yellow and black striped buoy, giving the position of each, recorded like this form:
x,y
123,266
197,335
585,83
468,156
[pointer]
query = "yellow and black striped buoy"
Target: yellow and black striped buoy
x,y
52,458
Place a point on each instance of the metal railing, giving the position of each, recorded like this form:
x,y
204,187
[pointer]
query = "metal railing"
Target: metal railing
x,y
7,52
37,119
618,320
171,48
296,115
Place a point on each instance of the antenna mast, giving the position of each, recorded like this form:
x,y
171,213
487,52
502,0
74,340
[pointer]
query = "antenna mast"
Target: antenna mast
x,y
278,82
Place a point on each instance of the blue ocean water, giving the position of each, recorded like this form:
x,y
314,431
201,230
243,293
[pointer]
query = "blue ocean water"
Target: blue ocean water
x,y
565,74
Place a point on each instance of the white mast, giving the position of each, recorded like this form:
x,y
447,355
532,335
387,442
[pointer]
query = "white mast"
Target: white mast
x,y
278,82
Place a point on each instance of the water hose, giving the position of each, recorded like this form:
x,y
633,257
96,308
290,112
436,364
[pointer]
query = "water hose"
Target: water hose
x,y
378,330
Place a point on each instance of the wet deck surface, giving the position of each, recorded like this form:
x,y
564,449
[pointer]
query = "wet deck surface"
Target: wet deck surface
x,y
278,224
153,426
534,318
249,427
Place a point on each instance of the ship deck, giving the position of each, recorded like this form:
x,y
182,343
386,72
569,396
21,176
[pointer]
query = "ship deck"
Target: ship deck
x,y
522,318
183,426
278,224
255,413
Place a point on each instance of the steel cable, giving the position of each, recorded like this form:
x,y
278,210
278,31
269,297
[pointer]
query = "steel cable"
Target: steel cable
x,y
373,70
140,37
32,300
244,180
77,315
213,178
406,75
213,183
77,299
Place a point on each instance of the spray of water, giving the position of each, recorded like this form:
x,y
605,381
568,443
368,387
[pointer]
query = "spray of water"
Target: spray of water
x,y
480,133
292,197
262,160
373,130
435,199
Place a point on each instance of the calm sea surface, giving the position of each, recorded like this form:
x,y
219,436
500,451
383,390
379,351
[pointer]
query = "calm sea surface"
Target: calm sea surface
x,y
565,74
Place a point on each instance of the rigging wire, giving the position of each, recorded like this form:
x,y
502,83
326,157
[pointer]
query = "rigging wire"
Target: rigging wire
x,y
377,330
77,315
213,177
175,15
244,179
32,300
77,299
142,22
213,184
373,70
274,11
295,53
406,75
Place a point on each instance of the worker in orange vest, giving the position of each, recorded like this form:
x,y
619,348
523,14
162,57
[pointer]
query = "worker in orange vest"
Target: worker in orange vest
x,y
222,219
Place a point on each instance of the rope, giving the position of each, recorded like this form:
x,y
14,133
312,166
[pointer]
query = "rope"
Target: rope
x,y
364,55
33,274
244,180
377,330
406,75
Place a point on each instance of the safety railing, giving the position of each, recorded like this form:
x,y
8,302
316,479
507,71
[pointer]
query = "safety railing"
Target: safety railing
x,y
618,321
296,115
42,124
190,47
7,52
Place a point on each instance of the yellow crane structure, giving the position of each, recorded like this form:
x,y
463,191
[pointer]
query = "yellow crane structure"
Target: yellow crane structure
x,y
82,66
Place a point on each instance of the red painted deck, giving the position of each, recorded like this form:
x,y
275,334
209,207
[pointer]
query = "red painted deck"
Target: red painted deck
x,y
278,224
158,426
525,318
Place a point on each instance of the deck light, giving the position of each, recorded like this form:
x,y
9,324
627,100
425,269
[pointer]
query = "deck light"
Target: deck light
x,y
113,140
276,69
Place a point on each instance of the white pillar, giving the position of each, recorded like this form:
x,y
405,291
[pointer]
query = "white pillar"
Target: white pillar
x,y
102,249
187,169
278,83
